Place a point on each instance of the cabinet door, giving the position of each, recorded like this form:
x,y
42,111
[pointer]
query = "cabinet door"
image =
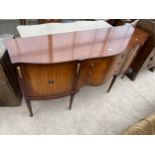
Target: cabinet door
x,y
47,79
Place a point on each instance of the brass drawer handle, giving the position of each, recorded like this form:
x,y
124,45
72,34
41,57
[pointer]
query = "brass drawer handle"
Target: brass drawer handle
x,y
50,81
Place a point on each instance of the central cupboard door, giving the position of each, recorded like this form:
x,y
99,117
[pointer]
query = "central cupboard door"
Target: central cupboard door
x,y
48,79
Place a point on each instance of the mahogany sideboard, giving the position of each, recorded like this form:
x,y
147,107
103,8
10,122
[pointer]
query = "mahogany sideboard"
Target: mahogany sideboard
x,y
57,65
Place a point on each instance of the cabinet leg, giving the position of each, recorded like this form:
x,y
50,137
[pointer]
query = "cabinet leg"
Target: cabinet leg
x,y
132,75
123,75
28,102
112,83
71,101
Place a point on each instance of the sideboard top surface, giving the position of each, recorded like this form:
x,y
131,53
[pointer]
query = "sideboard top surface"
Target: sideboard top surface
x,y
72,46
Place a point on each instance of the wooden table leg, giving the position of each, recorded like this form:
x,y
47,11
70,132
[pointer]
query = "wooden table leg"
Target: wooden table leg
x,y
71,101
112,83
123,75
28,102
132,75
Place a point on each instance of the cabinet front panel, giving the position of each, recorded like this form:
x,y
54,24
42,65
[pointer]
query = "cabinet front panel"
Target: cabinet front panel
x,y
48,80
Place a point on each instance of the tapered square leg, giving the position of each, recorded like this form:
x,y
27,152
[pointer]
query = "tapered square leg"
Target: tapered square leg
x,y
71,101
123,75
28,102
112,83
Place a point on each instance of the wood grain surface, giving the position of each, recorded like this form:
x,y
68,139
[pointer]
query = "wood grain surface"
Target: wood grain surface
x,y
73,46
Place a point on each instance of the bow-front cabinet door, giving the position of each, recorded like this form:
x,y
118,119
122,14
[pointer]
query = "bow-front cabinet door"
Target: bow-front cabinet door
x,y
47,80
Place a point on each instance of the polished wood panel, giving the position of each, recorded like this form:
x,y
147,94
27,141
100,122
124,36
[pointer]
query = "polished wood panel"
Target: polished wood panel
x,y
97,71
73,46
47,80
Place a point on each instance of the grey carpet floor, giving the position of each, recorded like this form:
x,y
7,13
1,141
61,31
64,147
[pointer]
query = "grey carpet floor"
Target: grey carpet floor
x,y
94,111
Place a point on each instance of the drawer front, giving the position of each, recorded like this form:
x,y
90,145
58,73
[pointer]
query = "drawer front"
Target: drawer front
x,y
96,71
47,80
